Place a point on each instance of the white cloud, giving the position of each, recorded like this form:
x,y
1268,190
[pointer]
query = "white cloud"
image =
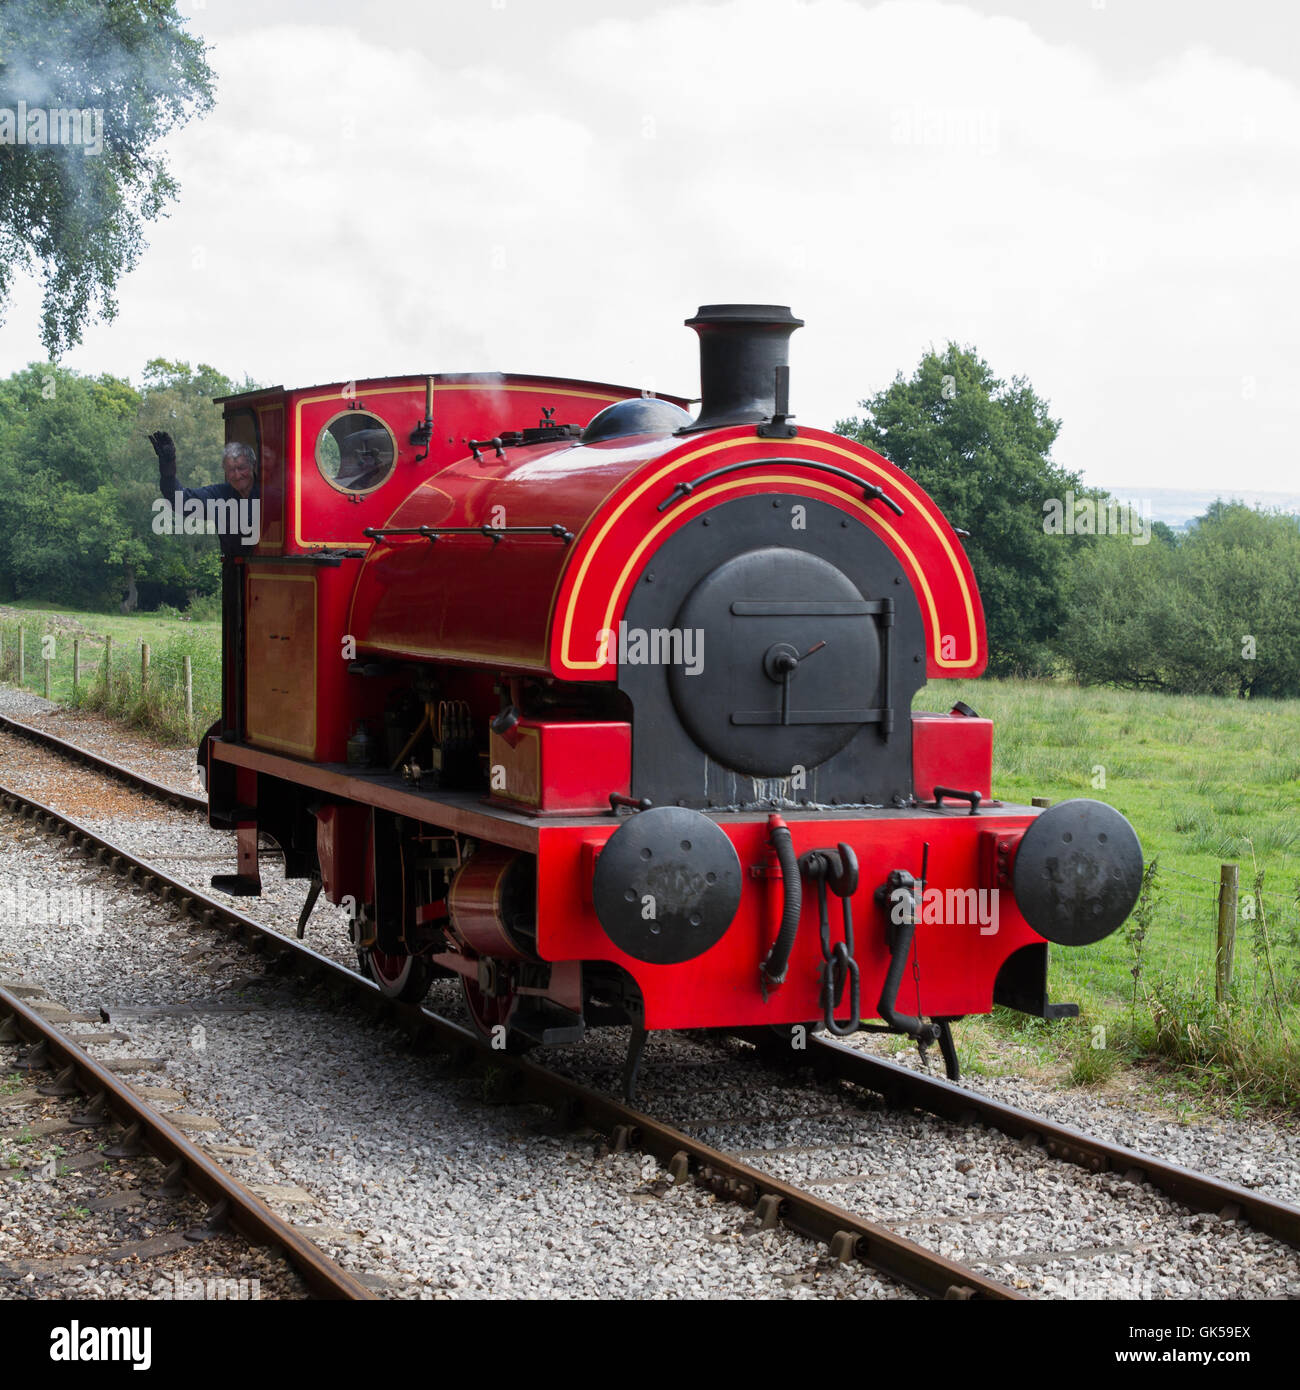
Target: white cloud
x,y
899,174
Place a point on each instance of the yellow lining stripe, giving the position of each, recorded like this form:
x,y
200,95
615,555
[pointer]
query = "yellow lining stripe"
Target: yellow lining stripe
x,y
397,391
297,457
896,482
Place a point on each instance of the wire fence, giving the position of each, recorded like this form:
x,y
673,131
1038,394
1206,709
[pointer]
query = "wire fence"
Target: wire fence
x,y
1239,940
172,687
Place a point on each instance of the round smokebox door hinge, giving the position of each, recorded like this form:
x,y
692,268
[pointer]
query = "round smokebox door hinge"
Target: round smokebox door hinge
x,y
667,885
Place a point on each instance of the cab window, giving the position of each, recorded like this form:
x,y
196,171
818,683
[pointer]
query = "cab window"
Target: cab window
x,y
356,452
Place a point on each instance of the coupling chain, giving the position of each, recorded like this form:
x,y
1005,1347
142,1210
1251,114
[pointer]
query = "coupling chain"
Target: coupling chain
x,y
838,871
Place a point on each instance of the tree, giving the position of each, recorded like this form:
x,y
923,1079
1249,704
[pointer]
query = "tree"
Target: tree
x,y
981,448
1128,611
1242,578
75,210
177,399
1217,612
78,484
59,521
72,547
67,423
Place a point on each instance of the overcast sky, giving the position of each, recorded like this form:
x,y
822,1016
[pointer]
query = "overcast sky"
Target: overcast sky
x,y
1100,195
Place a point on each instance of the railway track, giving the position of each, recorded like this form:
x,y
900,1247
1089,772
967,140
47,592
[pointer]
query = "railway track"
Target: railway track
x,y
96,1104
772,1198
137,781
1052,1210
901,1086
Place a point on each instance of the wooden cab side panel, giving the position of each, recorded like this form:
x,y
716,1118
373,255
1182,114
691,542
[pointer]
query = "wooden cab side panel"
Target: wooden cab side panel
x,y
281,662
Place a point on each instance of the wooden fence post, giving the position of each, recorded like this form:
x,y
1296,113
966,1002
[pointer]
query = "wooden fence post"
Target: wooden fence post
x,y
189,691
76,667
22,654
47,677
1042,801
108,661
1227,930
144,668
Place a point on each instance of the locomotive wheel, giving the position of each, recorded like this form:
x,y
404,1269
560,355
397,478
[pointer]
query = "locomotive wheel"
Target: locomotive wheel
x,y
398,976
489,1012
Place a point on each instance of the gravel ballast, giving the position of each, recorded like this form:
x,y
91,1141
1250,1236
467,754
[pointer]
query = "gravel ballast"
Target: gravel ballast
x,y
364,1128
401,1173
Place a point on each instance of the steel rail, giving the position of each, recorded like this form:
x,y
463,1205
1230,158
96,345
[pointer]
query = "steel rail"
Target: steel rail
x,y
137,780
229,1201
1198,1191
187,899
849,1236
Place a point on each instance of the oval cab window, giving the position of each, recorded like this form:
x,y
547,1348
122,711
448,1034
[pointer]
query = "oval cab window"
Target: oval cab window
x,y
355,452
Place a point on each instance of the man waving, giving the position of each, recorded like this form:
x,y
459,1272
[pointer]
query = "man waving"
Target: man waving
x,y
232,508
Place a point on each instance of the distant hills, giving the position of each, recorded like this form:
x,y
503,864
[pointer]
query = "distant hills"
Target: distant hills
x,y
1177,506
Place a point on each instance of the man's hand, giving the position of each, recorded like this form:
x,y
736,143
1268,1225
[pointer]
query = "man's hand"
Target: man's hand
x,y
166,451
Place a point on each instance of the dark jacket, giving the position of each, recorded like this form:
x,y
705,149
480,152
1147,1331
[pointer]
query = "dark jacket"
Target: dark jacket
x,y
232,541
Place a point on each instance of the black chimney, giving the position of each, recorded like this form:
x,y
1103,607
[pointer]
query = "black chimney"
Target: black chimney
x,y
742,346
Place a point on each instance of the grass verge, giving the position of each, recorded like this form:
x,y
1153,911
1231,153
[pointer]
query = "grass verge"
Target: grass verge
x,y
107,651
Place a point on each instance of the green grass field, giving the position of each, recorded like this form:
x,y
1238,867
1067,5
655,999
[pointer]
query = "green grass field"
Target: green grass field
x,y
1204,781
1201,777
160,709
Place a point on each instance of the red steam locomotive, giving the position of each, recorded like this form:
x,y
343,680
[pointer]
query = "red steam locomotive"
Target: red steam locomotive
x,y
613,719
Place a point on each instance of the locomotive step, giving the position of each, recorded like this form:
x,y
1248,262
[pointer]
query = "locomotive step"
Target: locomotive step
x,y
545,1022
